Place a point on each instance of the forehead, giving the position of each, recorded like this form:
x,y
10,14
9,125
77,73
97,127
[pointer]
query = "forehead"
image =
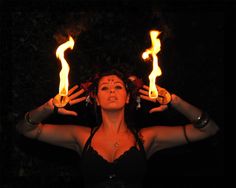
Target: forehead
x,y
110,78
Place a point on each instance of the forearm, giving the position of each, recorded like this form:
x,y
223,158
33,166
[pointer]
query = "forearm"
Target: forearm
x,y
188,110
32,119
193,114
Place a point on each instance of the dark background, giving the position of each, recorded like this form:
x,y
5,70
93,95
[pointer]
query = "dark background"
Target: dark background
x,y
192,60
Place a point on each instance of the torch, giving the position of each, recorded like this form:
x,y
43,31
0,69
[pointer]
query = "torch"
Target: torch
x,y
62,98
156,92
156,47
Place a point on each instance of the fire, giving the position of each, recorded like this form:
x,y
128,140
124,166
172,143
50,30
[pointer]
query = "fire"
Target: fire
x,y
64,82
156,47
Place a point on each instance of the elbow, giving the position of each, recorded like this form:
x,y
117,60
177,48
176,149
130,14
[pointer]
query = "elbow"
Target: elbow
x,y
22,129
213,128
216,130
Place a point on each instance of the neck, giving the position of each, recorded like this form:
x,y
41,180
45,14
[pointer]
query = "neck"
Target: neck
x,y
113,122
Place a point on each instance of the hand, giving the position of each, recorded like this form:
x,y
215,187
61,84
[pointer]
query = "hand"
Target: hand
x,y
71,99
164,97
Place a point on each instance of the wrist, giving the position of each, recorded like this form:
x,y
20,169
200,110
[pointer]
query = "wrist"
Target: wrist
x,y
174,100
29,124
48,107
29,120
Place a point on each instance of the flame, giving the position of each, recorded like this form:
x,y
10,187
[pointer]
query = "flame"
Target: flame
x,y
64,82
156,71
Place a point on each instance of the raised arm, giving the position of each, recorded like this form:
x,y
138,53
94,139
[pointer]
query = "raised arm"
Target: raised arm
x,y
200,126
69,136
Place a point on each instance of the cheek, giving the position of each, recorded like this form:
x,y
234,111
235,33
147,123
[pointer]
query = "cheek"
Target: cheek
x,y
124,97
101,97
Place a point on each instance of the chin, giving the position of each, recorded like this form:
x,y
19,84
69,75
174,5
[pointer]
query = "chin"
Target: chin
x,y
114,108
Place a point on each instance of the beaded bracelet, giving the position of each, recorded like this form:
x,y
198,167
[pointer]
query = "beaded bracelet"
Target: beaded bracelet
x,y
201,121
29,121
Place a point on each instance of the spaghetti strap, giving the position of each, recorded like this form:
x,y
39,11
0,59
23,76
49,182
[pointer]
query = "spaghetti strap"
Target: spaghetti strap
x,y
93,130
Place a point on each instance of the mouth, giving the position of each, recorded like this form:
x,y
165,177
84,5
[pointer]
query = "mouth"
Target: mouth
x,y
112,98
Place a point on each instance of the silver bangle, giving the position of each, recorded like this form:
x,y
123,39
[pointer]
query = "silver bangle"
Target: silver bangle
x,y
30,121
201,121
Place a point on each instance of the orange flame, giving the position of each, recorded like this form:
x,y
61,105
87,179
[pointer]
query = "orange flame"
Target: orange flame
x,y
156,47
64,82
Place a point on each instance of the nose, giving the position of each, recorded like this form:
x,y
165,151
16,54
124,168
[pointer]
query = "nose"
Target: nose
x,y
112,90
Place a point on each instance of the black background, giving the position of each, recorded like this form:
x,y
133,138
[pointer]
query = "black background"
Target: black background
x,y
193,60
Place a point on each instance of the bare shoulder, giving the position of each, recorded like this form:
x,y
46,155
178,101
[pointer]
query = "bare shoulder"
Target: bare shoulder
x,y
147,132
161,137
147,135
80,129
81,135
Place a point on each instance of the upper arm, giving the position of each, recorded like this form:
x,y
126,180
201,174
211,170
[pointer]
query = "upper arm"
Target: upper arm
x,y
68,136
162,137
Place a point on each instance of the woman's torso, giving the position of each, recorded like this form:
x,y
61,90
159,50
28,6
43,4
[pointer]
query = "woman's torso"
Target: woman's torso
x,y
106,162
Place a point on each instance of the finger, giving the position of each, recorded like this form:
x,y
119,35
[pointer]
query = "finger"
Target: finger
x,y
159,87
72,102
147,98
78,93
146,87
67,112
72,89
144,92
159,109
51,104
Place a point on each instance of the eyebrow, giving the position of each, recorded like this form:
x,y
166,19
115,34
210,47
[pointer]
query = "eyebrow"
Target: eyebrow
x,y
116,82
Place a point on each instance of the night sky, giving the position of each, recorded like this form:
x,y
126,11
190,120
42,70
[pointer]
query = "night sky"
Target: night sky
x,y
192,59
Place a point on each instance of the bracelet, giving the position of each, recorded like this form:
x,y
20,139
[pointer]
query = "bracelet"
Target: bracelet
x,y
30,121
201,121
185,134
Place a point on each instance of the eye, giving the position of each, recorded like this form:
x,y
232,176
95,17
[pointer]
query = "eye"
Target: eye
x,y
104,88
118,87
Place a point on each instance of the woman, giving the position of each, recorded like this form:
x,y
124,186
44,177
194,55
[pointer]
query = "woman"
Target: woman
x,y
114,153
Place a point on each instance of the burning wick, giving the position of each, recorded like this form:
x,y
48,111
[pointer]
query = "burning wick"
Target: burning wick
x,y
62,99
156,47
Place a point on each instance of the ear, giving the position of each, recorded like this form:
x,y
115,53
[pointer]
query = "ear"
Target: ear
x,y
127,99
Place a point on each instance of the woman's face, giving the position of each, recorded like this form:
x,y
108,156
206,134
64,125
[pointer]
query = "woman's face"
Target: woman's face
x,y
112,94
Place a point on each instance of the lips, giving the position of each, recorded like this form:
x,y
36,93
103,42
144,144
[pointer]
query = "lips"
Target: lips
x,y
112,98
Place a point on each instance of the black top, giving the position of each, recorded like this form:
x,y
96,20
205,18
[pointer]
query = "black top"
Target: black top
x,y
126,171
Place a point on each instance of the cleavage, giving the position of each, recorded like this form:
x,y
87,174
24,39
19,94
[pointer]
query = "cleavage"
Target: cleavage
x,y
115,159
